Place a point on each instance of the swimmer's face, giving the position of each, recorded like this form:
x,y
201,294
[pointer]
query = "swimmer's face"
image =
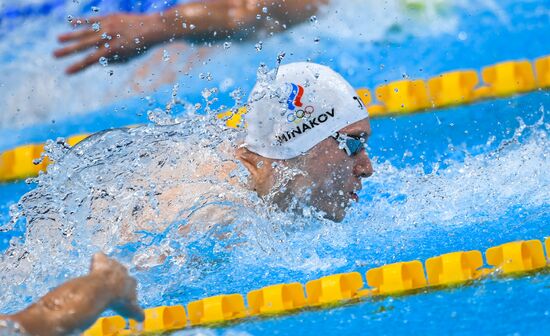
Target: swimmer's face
x,y
332,177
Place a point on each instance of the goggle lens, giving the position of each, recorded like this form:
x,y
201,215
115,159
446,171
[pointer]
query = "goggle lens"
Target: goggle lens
x,y
352,145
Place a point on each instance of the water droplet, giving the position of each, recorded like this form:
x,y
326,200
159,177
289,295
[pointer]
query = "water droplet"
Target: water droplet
x,y
184,25
313,19
237,95
96,26
106,45
136,40
264,10
192,26
259,46
258,17
462,36
95,9
316,40
103,61
207,76
111,72
227,45
205,93
70,18
280,57
165,55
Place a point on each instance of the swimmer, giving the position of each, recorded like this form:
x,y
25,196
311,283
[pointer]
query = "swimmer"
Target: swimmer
x,y
75,305
303,149
309,119
307,122
201,21
305,118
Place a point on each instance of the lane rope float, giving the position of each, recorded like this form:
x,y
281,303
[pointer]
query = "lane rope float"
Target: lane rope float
x,y
19,163
452,88
397,98
403,278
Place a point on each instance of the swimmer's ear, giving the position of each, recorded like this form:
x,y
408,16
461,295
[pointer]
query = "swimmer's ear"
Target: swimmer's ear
x,y
260,169
257,165
100,263
249,159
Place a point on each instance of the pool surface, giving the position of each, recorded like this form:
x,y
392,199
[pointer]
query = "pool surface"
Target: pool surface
x,y
463,178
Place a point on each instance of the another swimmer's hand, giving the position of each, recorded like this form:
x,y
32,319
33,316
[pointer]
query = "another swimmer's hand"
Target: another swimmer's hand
x,y
121,286
75,304
117,38
128,35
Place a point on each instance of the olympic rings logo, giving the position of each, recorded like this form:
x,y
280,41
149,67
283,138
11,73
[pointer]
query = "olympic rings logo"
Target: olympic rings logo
x,y
298,115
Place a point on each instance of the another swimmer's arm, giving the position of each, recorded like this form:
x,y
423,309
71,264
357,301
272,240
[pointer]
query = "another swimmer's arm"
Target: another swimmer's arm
x,y
218,19
76,304
122,36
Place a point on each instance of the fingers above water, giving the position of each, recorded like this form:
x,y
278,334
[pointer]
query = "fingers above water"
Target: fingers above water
x,y
76,35
87,61
129,309
81,45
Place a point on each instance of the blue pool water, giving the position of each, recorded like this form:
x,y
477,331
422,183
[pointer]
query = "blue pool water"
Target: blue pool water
x,y
462,178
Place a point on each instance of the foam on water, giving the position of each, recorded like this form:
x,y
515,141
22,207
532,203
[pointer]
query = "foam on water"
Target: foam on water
x,y
472,191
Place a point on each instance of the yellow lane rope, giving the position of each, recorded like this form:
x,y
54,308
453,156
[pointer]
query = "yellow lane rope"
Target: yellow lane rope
x,y
393,99
19,163
402,278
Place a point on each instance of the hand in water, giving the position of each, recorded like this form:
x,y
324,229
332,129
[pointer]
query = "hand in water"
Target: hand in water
x,y
122,286
75,304
117,38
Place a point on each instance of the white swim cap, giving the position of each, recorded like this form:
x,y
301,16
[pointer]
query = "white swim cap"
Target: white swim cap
x,y
302,106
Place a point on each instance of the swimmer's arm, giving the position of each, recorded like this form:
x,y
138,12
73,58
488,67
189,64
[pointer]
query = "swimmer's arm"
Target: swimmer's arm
x,y
76,304
219,19
71,306
129,35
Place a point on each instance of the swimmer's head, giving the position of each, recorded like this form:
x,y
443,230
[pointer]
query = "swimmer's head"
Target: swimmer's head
x,y
300,107
292,126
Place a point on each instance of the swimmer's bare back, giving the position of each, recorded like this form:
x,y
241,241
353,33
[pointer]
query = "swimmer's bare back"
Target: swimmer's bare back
x,y
76,304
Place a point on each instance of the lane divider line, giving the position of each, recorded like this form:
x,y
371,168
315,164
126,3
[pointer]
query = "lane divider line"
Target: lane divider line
x,y
19,163
403,278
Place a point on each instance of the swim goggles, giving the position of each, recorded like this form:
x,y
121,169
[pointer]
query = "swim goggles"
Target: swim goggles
x,y
349,143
